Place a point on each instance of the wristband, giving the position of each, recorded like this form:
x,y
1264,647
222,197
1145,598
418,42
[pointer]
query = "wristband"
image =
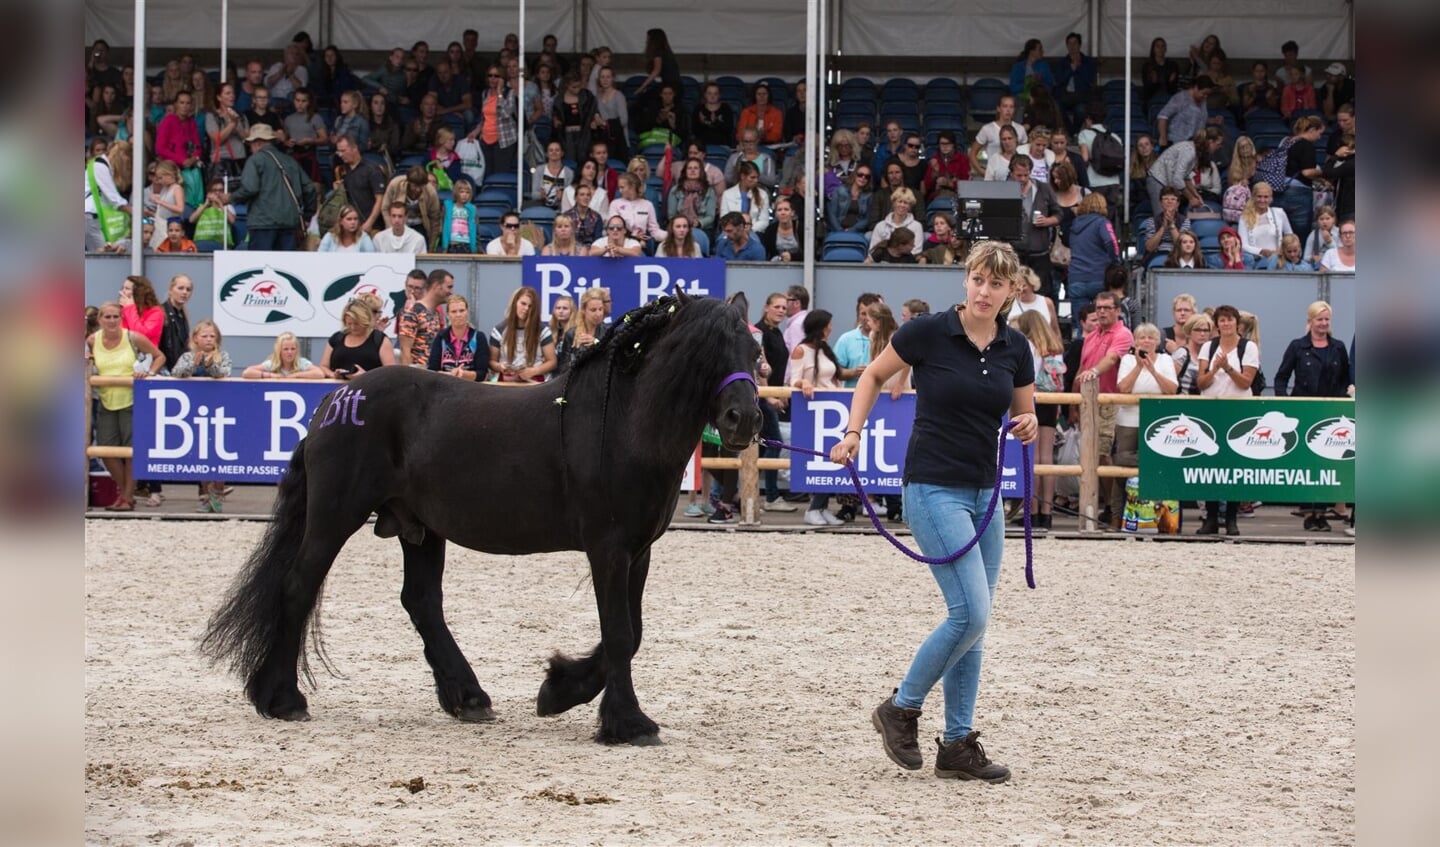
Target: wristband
x,y
854,432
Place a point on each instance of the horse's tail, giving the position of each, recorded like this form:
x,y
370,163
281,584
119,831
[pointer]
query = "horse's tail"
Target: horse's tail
x,y
251,623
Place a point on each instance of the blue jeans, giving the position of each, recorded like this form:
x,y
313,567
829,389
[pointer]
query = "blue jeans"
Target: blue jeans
x,y
770,428
1081,293
266,238
943,519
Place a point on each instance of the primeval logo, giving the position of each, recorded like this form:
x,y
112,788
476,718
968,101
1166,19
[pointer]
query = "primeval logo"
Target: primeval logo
x,y
265,296
380,280
1269,436
1332,438
1182,437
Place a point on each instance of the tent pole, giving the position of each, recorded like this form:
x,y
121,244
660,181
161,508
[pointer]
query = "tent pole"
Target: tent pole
x,y
816,101
224,40
520,118
1129,97
812,19
137,159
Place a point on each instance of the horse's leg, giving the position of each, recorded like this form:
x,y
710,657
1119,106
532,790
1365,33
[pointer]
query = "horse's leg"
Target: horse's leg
x,y
572,681
274,686
617,593
459,692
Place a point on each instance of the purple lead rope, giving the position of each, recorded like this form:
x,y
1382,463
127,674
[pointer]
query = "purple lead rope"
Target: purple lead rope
x,y
984,521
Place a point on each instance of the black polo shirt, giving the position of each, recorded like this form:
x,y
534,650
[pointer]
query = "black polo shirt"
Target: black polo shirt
x,y
960,395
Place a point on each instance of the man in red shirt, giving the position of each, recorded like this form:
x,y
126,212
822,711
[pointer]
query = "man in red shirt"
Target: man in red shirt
x,y
1100,356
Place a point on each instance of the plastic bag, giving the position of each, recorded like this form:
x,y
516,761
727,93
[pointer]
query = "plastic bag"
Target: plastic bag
x,y
1067,452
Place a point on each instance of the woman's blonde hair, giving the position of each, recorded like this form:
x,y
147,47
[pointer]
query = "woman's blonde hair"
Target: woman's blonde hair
x,y
276,363
359,313
556,329
848,137
337,232
456,298
1314,309
443,133
882,328
1093,204
118,155
1251,215
902,194
1037,329
1147,329
577,317
1248,326
1242,161
205,324
1198,320
999,260
640,167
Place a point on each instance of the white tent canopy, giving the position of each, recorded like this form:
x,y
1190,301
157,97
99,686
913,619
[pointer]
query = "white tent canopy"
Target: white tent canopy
x,y
993,28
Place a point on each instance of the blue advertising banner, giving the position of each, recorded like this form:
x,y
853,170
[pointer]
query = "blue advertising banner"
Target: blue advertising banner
x,y
235,430
632,282
819,424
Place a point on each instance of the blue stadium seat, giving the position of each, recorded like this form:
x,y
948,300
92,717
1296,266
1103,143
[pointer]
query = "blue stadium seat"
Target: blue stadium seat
x,y
900,88
935,109
943,90
858,84
985,97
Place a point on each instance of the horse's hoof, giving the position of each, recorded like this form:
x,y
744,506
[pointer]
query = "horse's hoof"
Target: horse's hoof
x,y
647,741
475,714
548,703
293,715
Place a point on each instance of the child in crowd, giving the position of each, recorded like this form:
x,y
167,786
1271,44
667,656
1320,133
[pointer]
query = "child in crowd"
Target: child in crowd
x,y
205,359
175,240
285,362
458,233
213,218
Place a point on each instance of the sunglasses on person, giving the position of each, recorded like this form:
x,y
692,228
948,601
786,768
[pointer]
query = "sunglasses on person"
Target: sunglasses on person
x,y
862,175
614,228
511,225
912,146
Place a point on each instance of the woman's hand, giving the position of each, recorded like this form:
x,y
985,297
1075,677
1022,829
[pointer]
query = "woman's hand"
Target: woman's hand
x,y
1026,427
807,388
126,298
844,452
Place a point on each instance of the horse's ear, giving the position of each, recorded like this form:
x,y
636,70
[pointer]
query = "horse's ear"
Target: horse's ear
x,y
681,296
741,302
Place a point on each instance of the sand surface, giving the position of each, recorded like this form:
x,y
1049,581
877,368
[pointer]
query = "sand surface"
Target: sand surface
x,y
1146,693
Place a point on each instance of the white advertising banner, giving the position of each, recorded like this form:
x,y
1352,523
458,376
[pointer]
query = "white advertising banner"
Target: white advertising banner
x,y
262,294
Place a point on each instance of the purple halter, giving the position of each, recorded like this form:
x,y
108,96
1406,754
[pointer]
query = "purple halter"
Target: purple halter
x,y
738,376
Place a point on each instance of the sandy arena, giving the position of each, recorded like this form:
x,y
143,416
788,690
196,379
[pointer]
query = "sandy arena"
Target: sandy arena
x,y
1145,693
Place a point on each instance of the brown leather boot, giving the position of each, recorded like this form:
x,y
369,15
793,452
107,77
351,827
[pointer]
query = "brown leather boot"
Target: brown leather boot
x,y
964,758
899,733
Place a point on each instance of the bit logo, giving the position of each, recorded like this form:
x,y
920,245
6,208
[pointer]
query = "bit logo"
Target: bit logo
x,y
1332,438
1182,437
265,296
1267,437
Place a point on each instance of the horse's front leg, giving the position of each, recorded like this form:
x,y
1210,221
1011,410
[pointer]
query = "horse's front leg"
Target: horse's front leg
x,y
619,586
459,691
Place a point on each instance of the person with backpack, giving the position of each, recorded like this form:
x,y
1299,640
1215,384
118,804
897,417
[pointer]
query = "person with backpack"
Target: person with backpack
x,y
1227,368
1104,155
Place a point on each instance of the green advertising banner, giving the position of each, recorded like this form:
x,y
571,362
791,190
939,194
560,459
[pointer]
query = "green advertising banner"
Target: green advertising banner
x,y
1277,450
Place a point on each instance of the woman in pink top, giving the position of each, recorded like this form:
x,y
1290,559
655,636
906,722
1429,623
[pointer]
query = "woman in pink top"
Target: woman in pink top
x,y
140,308
178,138
639,213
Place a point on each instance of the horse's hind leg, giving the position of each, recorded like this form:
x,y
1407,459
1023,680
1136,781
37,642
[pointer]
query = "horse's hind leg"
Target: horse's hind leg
x,y
455,683
274,686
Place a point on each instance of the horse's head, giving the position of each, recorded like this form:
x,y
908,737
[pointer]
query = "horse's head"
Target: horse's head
x,y
728,347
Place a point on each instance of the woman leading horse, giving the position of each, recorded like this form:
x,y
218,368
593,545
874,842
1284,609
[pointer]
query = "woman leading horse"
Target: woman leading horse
x,y
623,421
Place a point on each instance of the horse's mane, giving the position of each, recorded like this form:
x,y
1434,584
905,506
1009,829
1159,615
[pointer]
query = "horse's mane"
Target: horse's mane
x,y
661,331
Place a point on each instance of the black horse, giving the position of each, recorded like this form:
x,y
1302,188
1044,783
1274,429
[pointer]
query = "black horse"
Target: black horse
x,y
589,462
